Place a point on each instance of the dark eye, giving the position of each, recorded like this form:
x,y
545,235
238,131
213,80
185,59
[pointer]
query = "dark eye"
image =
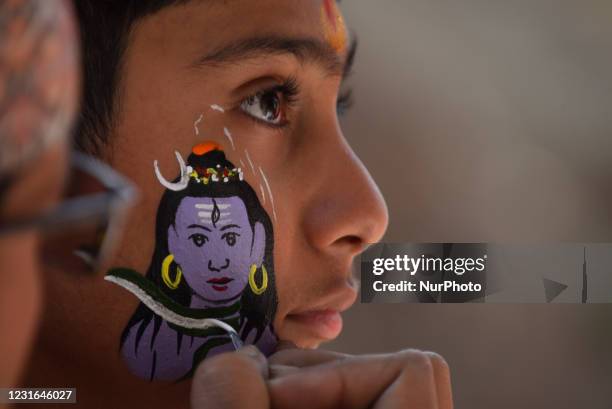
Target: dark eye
x,y
230,238
198,239
271,106
265,106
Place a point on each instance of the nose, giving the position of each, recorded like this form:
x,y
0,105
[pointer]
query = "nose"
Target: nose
x,y
346,210
219,268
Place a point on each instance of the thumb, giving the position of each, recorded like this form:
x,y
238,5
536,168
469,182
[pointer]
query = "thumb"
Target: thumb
x,y
231,380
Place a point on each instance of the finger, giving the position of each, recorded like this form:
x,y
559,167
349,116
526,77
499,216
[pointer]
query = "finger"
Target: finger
x,y
414,387
277,371
231,380
442,381
304,357
404,379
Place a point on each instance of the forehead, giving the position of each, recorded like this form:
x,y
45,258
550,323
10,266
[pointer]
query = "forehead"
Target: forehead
x,y
186,31
204,206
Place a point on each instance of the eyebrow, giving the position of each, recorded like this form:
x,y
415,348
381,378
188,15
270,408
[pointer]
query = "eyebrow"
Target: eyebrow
x,y
306,50
197,226
229,226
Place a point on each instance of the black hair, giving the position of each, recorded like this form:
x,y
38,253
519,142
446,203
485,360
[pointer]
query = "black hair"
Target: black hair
x,y
105,27
258,310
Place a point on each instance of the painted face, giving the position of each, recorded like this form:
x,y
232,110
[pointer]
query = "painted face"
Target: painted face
x,y
212,261
276,91
215,245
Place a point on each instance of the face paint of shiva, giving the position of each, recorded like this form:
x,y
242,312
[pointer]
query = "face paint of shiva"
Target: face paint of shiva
x,y
212,259
276,84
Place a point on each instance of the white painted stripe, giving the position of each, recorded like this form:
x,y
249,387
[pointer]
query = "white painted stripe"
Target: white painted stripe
x,y
216,107
207,220
168,315
265,179
229,136
250,162
263,195
210,207
196,123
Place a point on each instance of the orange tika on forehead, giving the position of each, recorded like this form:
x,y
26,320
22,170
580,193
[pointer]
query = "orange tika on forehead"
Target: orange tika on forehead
x,y
333,25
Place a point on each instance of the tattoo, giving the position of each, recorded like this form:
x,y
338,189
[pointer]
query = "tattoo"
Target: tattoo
x,y
38,77
210,284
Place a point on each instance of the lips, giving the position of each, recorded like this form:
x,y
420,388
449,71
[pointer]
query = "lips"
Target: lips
x,y
320,320
220,280
324,324
220,283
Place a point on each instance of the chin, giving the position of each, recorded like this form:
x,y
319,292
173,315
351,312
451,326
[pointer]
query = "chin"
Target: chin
x,y
303,337
219,297
308,343
305,341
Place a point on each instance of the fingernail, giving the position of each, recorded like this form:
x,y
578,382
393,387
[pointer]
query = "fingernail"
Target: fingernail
x,y
260,360
251,351
277,371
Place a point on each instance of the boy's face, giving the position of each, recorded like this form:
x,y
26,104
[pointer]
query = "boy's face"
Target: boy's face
x,y
275,68
185,59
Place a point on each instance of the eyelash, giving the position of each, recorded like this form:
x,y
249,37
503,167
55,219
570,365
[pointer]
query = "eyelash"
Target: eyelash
x,y
290,91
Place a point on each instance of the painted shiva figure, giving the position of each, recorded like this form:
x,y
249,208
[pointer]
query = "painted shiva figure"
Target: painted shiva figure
x,y
213,262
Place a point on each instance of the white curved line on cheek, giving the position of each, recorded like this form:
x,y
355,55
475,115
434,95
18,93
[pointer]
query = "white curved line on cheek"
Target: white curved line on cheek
x,y
250,162
263,195
265,179
217,108
168,315
228,135
182,184
196,123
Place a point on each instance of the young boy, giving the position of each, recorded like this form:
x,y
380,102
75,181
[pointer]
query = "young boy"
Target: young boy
x,y
252,208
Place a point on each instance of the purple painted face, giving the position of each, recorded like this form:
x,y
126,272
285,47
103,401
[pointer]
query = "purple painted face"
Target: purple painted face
x,y
215,245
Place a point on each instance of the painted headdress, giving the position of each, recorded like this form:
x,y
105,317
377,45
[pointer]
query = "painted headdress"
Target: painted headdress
x,y
198,173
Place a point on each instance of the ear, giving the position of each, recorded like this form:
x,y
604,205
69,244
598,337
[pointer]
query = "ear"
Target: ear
x,y
173,240
259,244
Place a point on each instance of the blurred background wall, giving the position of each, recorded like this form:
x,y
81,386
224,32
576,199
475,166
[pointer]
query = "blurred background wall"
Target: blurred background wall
x,y
490,120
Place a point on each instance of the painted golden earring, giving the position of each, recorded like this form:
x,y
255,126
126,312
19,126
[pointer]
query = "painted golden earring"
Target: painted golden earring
x,y
172,284
264,284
